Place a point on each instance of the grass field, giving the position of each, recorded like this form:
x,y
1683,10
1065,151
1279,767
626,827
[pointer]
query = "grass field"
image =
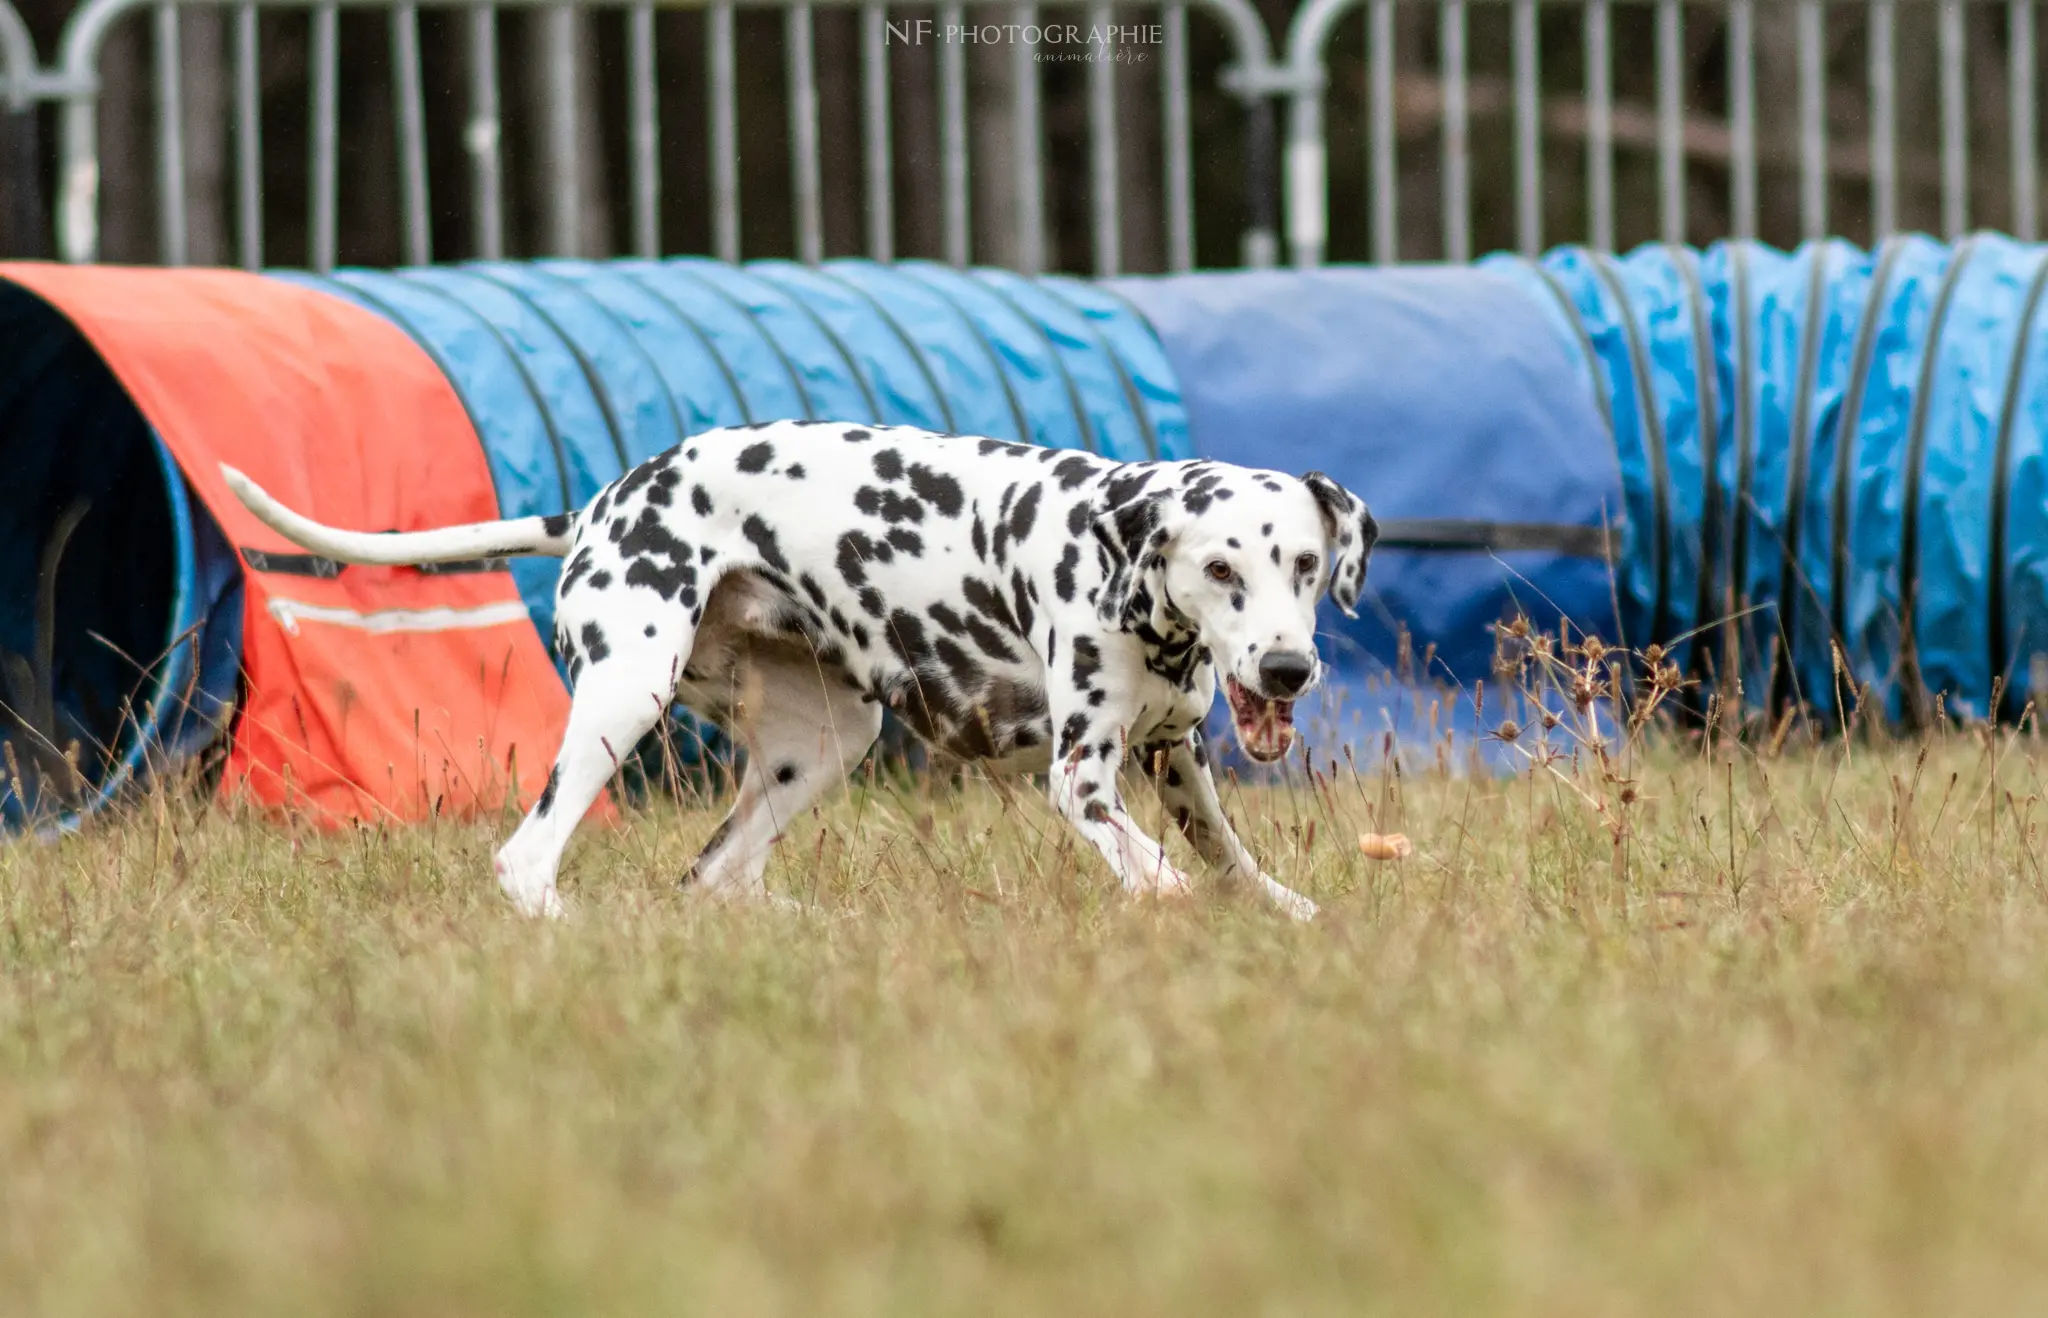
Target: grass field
x,y
1783,1050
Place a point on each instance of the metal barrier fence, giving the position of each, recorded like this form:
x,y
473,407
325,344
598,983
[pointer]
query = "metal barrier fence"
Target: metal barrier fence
x,y
1026,28
1730,98
1821,33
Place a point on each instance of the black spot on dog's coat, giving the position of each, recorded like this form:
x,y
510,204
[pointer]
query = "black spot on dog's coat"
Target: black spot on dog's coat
x,y
785,773
594,646
556,525
938,489
754,458
762,537
700,501
547,793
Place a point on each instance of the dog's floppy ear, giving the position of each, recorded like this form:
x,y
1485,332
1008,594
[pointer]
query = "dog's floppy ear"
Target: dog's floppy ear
x,y
1350,530
1134,537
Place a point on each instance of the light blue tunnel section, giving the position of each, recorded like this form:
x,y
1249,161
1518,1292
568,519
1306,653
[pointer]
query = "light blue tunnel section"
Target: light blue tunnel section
x,y
1832,464
574,372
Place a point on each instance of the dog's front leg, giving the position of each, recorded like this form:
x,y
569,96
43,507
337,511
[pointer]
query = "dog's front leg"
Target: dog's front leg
x,y
1180,770
1084,790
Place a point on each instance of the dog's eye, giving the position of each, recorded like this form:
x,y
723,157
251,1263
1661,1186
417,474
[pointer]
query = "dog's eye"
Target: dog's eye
x,y
1306,564
1219,570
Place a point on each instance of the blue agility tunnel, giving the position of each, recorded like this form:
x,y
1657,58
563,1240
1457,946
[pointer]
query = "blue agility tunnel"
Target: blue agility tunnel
x,y
1798,471
1831,463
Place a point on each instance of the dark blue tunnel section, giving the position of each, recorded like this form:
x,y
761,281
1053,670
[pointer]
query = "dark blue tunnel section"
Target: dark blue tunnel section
x,y
120,601
1442,397
1832,462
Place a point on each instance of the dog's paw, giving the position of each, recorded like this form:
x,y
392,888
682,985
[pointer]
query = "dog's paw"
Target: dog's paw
x,y
1291,903
544,904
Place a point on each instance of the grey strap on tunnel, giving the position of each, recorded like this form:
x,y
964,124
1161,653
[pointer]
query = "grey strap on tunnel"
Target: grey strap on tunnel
x,y
1463,535
1910,684
1705,382
1744,404
1784,661
711,287
1846,432
924,367
599,393
1653,447
2001,493
1089,440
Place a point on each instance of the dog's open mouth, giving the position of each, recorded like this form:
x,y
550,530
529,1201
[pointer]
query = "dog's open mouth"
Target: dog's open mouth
x,y
1265,728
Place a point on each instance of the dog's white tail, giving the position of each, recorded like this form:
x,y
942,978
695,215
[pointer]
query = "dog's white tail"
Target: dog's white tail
x,y
544,536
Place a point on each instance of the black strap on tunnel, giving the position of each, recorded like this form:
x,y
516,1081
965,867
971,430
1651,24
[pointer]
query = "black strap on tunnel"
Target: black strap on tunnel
x,y
1915,702
1653,446
1461,535
1706,389
323,568
2001,497
924,368
1785,655
1846,433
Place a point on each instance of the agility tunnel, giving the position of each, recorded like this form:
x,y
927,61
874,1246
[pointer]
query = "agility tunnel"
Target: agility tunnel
x,y
1759,460
169,619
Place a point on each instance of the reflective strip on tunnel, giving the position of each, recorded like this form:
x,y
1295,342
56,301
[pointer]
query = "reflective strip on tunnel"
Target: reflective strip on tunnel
x,y
290,612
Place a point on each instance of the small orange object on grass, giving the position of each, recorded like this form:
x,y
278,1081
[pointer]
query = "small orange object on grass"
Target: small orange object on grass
x,y
1386,846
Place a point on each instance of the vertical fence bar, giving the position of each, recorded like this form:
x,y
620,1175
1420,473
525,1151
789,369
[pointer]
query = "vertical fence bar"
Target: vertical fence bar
x,y
1742,117
480,138
412,132
644,110
953,137
565,216
170,139
1955,133
1457,143
1102,172
1025,129
1813,127
725,147
1386,221
2020,42
803,133
1884,126
1180,171
248,142
1599,128
1671,120
1528,132
876,141
325,56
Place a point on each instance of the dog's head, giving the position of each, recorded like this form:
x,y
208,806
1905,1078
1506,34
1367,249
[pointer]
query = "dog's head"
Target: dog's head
x,y
1235,560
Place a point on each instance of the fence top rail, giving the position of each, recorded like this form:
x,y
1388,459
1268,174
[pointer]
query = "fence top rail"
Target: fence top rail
x,y
78,51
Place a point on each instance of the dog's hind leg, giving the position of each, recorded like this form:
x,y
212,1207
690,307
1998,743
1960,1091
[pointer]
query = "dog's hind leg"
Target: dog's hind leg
x,y
626,684
804,735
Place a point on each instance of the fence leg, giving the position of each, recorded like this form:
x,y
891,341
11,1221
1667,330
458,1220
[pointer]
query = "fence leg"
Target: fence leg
x,y
1261,244
21,184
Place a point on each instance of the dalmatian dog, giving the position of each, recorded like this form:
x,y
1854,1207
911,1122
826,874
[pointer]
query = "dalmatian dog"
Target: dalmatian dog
x,y
1036,610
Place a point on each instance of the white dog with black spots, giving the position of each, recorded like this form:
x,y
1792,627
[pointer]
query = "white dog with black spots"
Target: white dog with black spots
x,y
1035,610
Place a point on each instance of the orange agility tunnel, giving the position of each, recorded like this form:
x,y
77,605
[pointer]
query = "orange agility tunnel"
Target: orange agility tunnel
x,y
146,617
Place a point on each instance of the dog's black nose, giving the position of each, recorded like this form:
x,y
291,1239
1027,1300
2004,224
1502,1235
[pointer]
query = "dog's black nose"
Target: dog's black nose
x,y
1284,673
